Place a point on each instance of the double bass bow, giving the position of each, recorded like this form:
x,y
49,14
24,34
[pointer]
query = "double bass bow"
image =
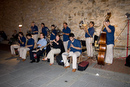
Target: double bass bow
x,y
102,44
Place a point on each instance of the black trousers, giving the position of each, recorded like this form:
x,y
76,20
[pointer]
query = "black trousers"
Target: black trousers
x,y
39,53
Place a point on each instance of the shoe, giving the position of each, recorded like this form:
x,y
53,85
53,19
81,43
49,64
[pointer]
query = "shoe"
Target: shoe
x,y
44,59
109,64
23,60
67,67
12,55
32,61
37,62
51,64
20,58
73,70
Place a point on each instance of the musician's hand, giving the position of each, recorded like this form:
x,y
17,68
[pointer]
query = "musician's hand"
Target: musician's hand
x,y
87,30
72,45
39,44
68,51
19,37
22,42
104,23
51,44
37,50
53,33
54,40
26,46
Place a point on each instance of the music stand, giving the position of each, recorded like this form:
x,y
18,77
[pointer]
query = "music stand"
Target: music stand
x,y
128,17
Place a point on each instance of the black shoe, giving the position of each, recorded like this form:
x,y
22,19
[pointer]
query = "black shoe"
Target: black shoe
x,y
32,61
37,62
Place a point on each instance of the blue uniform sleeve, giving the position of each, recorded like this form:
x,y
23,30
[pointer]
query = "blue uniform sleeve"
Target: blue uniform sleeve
x,y
24,40
18,41
112,28
55,32
36,28
104,30
69,30
32,42
78,44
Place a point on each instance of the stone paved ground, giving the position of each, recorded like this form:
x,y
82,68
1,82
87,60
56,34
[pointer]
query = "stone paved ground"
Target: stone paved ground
x,y
15,73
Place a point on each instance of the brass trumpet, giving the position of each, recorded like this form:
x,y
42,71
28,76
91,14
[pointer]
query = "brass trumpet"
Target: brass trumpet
x,y
82,25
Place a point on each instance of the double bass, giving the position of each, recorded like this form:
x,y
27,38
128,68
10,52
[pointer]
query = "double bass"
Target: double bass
x,y
102,44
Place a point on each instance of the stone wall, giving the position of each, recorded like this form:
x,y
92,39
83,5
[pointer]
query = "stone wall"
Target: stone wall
x,y
15,12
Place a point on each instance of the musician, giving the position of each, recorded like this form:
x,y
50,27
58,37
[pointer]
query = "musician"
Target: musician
x,y
21,43
44,29
109,29
14,38
40,48
89,38
29,46
34,30
74,50
58,48
53,33
66,31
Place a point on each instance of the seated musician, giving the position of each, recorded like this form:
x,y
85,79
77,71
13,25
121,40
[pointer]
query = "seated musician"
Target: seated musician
x,y
29,46
109,29
21,43
14,38
74,50
53,33
40,49
58,48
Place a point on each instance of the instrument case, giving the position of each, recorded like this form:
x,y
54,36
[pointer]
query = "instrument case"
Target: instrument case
x,y
83,65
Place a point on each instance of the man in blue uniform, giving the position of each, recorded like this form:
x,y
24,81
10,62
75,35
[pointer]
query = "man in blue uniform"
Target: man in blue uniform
x,y
34,30
53,33
110,30
66,31
74,50
89,38
21,43
44,29
29,46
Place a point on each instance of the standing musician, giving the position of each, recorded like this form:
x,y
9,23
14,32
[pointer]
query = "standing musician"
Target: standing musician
x,y
89,38
53,33
34,30
44,29
74,50
66,31
109,29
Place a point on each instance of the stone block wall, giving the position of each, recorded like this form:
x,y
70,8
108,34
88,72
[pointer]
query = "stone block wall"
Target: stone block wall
x,y
15,12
